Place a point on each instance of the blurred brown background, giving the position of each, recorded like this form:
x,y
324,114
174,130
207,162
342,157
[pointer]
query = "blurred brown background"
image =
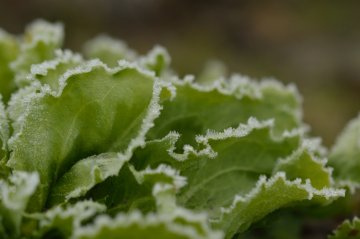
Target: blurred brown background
x,y
315,44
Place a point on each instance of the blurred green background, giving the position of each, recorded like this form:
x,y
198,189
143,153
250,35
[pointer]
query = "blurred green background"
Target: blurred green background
x,y
315,44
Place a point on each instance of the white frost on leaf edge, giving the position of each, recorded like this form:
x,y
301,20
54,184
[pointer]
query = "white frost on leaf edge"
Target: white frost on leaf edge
x,y
98,174
178,180
241,86
80,211
309,145
242,130
29,95
263,182
152,220
36,91
37,32
61,56
326,192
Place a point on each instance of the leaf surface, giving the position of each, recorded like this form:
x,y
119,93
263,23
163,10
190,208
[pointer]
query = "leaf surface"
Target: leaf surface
x,y
94,110
9,48
197,108
345,156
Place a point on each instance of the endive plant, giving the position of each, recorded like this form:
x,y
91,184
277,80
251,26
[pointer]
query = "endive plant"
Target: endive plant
x,y
108,143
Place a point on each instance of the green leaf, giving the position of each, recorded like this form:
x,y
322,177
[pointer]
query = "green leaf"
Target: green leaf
x,y
61,221
157,60
51,73
230,163
165,182
213,71
45,76
87,150
266,197
345,156
197,108
242,155
180,224
233,157
14,196
38,43
4,133
347,230
305,165
108,50
9,48
84,175
147,190
94,110
111,51
283,224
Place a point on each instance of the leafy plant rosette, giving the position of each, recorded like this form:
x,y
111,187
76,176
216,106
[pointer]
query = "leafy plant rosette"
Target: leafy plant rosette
x,y
111,144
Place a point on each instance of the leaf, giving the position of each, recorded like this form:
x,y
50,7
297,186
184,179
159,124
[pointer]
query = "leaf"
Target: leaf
x,y
4,133
242,155
230,163
51,73
38,43
61,221
84,175
111,51
347,230
157,152
45,76
282,224
267,196
180,224
345,156
212,72
86,150
108,50
94,110
197,108
305,165
148,190
157,60
9,48
15,193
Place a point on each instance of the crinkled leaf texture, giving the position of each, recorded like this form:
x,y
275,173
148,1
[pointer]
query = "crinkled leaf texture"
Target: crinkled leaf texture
x,y
95,109
197,108
114,145
225,176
